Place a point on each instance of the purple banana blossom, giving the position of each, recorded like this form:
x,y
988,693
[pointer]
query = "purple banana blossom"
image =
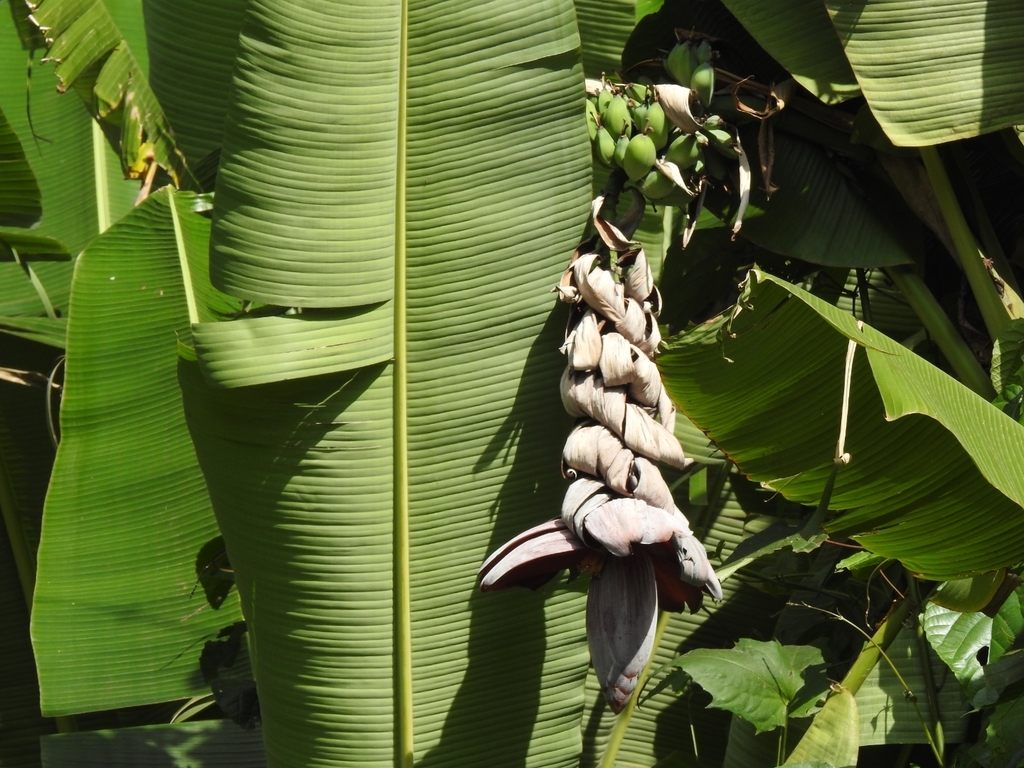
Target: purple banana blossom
x,y
618,522
642,561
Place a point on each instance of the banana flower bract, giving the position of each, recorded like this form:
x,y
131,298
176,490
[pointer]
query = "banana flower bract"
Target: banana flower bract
x,y
618,521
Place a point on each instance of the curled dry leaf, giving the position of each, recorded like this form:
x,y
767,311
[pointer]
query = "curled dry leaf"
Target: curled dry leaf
x,y
598,288
637,280
676,101
672,172
617,235
616,362
584,343
744,175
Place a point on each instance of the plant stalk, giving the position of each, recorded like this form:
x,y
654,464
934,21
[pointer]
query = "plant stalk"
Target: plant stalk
x,y
987,233
865,301
971,258
941,329
873,650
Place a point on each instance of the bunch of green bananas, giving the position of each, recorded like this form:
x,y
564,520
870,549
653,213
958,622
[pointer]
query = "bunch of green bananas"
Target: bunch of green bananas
x,y
631,127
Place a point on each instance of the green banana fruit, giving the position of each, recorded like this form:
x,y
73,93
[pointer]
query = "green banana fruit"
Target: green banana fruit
x,y
712,122
620,151
657,126
684,151
604,98
593,120
604,147
703,52
703,82
616,117
639,114
656,186
639,157
637,91
722,141
680,63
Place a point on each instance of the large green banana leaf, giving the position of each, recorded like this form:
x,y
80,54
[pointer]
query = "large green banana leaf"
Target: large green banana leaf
x,y
81,184
936,71
430,163
192,46
797,33
933,479
604,28
92,55
117,619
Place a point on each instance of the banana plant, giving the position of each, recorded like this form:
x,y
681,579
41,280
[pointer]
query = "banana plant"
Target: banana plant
x,y
354,368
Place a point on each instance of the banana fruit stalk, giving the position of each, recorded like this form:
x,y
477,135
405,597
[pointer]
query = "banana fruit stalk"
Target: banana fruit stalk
x,y
618,520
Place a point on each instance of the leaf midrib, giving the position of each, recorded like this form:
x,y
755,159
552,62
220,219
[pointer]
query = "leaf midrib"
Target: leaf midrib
x,y
402,617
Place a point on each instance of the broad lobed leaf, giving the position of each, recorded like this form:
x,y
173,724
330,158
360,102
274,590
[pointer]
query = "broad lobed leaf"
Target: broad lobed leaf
x,y
449,193
924,448
127,511
935,72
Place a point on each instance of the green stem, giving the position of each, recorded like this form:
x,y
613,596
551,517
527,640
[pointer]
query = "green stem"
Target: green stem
x,y
37,284
904,756
986,231
941,329
782,750
875,647
99,164
971,257
186,272
615,738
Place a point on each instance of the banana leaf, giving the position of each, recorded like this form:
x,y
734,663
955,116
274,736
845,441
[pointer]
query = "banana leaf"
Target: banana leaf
x,y
800,37
604,28
436,161
935,72
192,46
887,716
117,619
933,478
20,198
